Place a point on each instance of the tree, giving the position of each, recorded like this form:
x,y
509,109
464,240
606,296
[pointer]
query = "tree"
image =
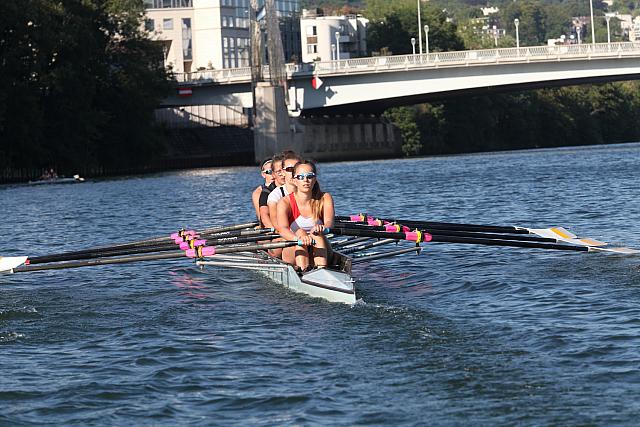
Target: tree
x,y
393,24
405,119
78,84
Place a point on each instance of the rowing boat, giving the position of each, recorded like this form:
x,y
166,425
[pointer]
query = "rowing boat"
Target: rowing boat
x,y
354,239
333,283
48,181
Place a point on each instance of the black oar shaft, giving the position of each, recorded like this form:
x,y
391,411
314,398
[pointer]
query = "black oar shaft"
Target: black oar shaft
x,y
449,225
381,255
89,254
135,247
164,239
148,257
455,239
517,244
448,232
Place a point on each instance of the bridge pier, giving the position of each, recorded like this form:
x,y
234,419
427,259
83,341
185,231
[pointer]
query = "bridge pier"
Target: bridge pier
x,y
272,128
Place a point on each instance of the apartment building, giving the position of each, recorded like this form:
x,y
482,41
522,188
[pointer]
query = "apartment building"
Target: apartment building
x,y
213,34
326,38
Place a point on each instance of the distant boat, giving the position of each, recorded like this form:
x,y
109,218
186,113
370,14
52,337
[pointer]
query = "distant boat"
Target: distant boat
x,y
74,180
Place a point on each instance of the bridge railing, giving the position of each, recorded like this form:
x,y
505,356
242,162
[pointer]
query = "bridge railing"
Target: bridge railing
x,y
430,60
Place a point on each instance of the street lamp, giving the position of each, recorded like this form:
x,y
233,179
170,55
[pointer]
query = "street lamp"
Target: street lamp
x,y
333,51
338,45
426,38
517,22
593,28
413,44
495,35
419,32
608,16
578,31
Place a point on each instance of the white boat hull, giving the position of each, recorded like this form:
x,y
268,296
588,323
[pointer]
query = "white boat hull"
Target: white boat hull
x,y
331,284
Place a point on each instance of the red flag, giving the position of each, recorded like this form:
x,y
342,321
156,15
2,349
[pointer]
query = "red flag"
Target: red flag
x,y
185,91
316,82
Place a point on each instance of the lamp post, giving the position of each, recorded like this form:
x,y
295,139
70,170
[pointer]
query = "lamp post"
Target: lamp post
x,y
426,38
495,35
419,25
516,22
337,45
608,16
593,28
413,44
333,51
578,31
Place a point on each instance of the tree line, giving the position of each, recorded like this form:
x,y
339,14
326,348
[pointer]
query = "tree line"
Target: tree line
x,y
79,83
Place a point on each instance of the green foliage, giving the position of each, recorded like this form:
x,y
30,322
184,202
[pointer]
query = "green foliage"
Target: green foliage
x,y
405,119
78,85
575,115
393,24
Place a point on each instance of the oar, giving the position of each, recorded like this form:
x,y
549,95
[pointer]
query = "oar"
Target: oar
x,y
557,234
163,247
434,225
381,255
364,246
14,264
136,247
447,232
417,236
179,234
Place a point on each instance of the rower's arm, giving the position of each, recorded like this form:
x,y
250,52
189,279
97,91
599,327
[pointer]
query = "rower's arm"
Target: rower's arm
x,y
255,199
328,211
273,214
265,218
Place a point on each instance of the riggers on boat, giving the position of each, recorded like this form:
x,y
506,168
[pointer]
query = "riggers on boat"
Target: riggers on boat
x,y
333,283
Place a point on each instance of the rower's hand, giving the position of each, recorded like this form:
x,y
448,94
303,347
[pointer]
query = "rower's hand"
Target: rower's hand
x,y
306,240
318,229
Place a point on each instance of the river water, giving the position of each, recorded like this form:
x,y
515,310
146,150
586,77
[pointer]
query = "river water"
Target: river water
x,y
459,335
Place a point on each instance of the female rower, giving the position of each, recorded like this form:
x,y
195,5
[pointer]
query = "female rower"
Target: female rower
x,y
266,172
303,215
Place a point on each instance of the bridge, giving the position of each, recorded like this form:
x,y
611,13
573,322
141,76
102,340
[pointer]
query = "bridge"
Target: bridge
x,y
376,83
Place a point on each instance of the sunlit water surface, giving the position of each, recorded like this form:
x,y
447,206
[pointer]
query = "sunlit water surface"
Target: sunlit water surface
x,y
459,335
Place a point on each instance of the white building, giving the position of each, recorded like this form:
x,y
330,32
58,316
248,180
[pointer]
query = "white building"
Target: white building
x,y
319,40
213,34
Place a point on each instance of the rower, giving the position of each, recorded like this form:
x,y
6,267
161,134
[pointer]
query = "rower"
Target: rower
x,y
267,173
278,180
303,215
288,163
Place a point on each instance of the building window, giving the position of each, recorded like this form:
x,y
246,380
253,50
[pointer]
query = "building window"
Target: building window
x,y
312,48
312,30
225,52
186,38
149,25
166,4
167,24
